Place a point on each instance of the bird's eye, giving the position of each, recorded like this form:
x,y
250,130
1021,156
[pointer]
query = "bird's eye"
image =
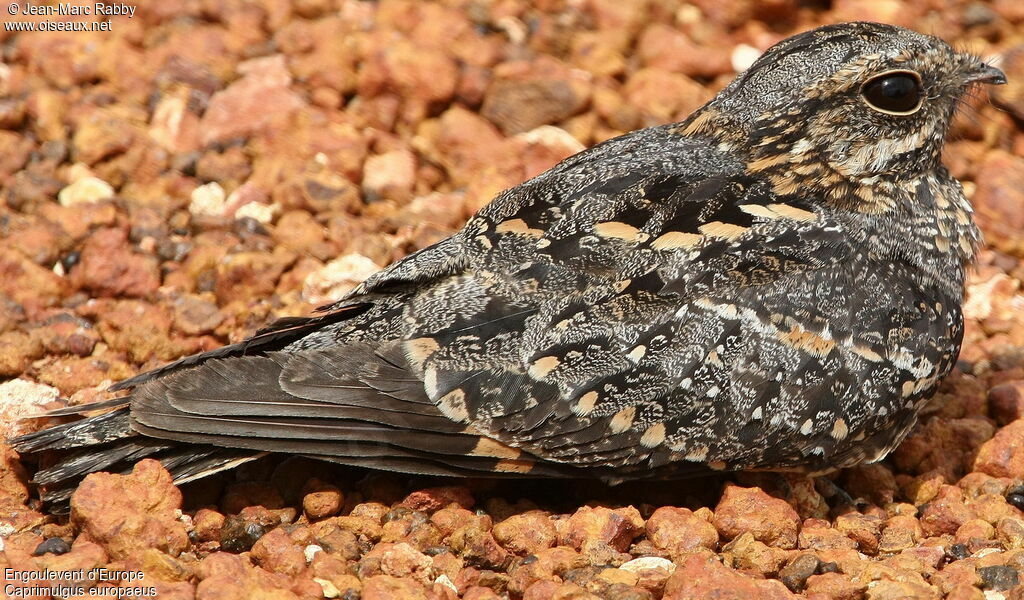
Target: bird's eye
x,y
894,93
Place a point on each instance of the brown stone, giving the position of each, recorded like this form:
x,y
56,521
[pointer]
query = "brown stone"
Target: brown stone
x,y
817,534
1006,401
278,553
478,547
127,514
589,527
943,445
252,103
433,499
663,96
526,95
390,175
770,520
680,531
397,560
195,315
999,201
974,534
668,48
887,589
526,533
1003,455
546,565
323,501
833,586
224,576
751,556
946,512
104,133
27,283
900,532
207,524
386,587
704,577
108,267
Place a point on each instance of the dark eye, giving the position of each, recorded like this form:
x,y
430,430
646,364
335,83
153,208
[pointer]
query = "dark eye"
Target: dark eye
x,y
896,92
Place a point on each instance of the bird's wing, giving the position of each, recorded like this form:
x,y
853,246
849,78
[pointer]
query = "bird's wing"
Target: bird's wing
x,y
604,326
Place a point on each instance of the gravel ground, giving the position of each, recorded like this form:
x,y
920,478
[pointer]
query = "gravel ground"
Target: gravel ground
x,y
204,167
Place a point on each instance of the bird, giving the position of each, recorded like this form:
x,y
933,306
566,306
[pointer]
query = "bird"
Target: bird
x,y
773,283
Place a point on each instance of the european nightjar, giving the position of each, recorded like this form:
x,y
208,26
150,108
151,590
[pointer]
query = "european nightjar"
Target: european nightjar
x,y
773,283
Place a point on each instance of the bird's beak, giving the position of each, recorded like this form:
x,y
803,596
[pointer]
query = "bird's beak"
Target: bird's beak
x,y
985,74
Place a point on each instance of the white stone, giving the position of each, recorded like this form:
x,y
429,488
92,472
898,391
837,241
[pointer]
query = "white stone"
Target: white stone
x,y
208,200
329,589
310,551
87,190
22,398
743,56
258,211
446,582
553,137
648,562
338,277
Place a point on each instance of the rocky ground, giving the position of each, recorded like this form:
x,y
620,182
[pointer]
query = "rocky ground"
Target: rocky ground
x,y
173,184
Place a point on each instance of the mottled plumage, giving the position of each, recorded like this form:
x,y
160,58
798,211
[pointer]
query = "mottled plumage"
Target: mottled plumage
x,y
774,283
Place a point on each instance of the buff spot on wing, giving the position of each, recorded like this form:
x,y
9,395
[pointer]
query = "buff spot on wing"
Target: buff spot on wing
x,y
866,353
585,405
676,239
808,341
518,226
522,465
720,229
618,231
807,427
543,366
840,429
654,435
789,211
419,350
697,454
493,448
637,353
622,420
759,210
453,406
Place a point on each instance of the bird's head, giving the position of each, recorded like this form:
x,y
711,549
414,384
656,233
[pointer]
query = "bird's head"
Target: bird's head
x,y
845,105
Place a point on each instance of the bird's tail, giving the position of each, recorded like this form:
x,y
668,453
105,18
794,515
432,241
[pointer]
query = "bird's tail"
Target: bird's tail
x,y
107,442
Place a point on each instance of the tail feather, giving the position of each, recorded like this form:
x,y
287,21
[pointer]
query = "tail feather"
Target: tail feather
x,y
80,409
107,442
93,431
97,458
